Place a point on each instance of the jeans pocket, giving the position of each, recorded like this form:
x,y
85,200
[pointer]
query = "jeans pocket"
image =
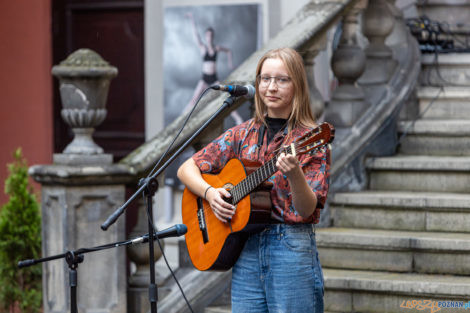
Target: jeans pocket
x,y
297,241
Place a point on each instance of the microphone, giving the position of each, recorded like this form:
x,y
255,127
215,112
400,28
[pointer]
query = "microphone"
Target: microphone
x,y
26,263
236,90
173,231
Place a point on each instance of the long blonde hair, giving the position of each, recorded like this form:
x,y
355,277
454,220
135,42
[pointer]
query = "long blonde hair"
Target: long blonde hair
x,y
301,113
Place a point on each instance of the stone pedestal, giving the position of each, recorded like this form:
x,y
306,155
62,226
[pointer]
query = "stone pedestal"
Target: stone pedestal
x,y
76,200
79,191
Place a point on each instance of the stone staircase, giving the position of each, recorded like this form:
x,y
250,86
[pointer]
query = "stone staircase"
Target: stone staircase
x,y
407,237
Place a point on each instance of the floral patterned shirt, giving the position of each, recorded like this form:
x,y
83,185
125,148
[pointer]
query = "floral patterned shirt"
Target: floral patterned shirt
x,y
242,142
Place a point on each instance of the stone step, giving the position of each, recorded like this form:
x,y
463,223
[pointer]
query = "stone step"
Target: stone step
x,y
447,69
444,103
383,292
394,251
420,173
219,309
435,137
402,210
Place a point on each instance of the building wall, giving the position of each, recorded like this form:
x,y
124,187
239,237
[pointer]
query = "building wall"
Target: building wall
x,y
25,83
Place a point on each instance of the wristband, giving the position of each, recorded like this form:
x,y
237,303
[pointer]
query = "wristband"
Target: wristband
x,y
205,192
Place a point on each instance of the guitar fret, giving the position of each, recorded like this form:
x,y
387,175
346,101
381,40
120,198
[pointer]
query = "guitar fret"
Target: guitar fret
x,y
233,192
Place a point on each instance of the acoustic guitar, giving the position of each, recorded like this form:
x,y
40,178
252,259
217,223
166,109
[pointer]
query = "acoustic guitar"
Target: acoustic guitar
x,y
214,245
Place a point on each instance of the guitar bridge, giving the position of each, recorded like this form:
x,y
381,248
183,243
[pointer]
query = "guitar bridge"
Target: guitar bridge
x,y
202,220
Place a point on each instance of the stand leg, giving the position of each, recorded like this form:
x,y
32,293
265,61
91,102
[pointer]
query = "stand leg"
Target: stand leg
x,y
73,260
73,290
152,187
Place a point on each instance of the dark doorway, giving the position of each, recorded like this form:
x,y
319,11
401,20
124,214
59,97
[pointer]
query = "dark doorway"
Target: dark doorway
x,y
115,30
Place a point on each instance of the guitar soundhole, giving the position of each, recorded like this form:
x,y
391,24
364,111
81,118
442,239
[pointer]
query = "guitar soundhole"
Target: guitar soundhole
x,y
229,187
228,200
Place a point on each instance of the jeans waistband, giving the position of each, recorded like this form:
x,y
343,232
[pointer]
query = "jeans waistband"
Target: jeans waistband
x,y
289,228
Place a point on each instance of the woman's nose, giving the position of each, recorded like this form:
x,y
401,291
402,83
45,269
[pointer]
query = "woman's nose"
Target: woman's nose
x,y
272,84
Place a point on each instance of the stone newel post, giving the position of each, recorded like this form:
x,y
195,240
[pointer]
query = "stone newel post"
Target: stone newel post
x,y
79,191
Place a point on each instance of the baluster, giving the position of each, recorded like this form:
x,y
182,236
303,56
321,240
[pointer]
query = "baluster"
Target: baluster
x,y
348,63
378,22
317,105
400,30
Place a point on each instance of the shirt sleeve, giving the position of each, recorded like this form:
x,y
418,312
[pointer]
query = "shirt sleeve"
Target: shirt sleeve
x,y
213,157
316,167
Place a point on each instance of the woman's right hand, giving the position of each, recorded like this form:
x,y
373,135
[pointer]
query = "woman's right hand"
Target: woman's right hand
x,y
222,210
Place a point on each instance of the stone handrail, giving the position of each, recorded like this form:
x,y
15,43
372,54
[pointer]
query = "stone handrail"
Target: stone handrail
x,y
301,33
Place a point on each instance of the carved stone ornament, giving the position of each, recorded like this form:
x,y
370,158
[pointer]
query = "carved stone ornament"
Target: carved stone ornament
x,y
84,83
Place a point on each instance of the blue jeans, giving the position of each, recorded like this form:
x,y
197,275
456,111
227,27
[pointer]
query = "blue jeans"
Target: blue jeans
x,y
278,271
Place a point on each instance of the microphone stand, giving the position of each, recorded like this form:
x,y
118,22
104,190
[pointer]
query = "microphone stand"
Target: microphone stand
x,y
149,187
73,258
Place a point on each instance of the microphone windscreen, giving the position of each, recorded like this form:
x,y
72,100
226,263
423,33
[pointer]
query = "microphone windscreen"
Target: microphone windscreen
x,y
181,229
250,91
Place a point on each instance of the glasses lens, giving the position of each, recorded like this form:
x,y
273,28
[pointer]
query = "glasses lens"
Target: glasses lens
x,y
280,81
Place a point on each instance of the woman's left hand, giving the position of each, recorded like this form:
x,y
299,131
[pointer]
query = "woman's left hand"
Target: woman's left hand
x,y
288,165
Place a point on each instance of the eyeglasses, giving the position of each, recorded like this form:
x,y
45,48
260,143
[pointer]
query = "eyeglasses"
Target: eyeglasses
x,y
281,81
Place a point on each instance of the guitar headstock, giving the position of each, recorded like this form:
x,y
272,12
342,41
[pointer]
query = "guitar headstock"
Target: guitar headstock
x,y
318,137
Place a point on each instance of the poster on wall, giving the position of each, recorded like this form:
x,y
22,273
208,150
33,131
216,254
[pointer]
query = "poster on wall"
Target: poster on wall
x,y
202,46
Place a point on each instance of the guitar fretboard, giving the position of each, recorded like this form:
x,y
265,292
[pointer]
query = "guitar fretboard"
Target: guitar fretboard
x,y
252,181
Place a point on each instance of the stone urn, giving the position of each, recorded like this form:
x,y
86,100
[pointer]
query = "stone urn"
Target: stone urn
x,y
84,79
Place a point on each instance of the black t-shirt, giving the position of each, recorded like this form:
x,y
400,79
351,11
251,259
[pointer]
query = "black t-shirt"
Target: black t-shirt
x,y
274,126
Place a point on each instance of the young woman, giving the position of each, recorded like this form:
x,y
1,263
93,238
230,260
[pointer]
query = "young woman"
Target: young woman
x,y
209,64
278,269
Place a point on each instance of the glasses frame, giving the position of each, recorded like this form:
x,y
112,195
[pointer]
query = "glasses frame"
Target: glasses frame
x,y
271,79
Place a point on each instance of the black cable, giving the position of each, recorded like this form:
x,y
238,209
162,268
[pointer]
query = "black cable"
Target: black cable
x,y
166,261
181,129
430,35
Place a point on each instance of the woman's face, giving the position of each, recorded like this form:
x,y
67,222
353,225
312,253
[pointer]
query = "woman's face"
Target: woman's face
x,y
277,91
209,36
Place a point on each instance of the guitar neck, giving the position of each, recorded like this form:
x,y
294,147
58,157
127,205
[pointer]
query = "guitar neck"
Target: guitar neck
x,y
255,179
312,140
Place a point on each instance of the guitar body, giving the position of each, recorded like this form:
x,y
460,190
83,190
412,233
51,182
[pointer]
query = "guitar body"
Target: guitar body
x,y
212,244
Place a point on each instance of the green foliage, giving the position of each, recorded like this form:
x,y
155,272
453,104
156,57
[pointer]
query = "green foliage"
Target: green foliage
x,y
20,238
